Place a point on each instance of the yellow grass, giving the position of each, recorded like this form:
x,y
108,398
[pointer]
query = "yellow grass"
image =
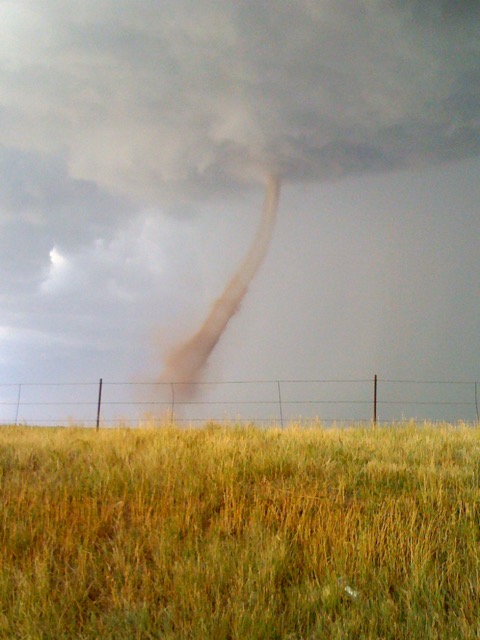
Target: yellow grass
x,y
240,532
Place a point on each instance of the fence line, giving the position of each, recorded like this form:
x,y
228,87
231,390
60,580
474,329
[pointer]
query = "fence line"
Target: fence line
x,y
358,400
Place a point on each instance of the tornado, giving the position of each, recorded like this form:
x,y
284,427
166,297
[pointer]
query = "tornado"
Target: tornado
x,y
186,361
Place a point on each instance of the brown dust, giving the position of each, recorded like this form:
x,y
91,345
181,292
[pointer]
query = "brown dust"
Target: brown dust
x,y
185,362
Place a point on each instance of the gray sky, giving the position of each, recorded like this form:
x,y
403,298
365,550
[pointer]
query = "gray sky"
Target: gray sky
x,y
134,139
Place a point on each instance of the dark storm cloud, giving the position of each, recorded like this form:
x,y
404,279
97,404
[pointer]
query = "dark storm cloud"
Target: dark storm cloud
x,y
110,106
155,98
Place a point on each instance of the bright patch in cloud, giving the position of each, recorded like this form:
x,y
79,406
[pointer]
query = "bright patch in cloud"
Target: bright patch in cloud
x,y
58,274
57,259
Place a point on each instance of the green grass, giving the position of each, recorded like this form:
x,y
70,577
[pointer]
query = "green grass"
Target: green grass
x,y
240,532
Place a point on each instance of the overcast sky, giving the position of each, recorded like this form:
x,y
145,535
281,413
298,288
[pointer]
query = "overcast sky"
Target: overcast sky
x,y
134,142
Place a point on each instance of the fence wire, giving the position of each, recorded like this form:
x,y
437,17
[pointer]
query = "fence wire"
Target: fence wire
x,y
242,401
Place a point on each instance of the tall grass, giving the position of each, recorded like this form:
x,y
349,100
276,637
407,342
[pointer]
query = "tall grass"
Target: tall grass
x,y
240,532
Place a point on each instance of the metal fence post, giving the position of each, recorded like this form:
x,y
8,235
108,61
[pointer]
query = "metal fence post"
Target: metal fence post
x,y
99,403
476,403
280,403
172,406
375,401
18,403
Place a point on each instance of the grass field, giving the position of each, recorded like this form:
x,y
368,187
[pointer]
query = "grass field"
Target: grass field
x,y
240,532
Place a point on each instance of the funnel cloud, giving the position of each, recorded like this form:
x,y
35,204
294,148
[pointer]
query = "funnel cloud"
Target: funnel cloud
x,y
186,361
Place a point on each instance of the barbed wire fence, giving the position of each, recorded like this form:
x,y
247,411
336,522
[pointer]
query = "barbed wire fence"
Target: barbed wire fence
x,y
109,403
